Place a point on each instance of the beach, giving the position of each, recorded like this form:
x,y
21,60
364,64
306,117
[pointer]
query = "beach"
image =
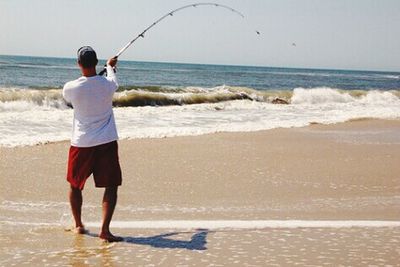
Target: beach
x,y
337,175
250,133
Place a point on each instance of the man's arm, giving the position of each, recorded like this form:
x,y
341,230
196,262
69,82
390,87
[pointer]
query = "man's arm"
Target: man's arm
x,y
66,93
112,62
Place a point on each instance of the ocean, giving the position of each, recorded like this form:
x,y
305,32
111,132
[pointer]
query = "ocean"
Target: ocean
x,y
172,99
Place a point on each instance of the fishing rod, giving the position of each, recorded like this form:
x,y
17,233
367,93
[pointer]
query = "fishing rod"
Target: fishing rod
x,y
171,13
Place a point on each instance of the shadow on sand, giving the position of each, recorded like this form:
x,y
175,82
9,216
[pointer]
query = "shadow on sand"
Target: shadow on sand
x,y
197,242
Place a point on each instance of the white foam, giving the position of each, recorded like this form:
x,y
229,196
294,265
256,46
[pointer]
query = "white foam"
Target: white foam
x,y
23,123
326,95
225,224
246,224
376,97
390,76
319,95
38,224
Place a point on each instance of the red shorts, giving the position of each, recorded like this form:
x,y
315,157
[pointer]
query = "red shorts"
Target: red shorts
x,y
101,160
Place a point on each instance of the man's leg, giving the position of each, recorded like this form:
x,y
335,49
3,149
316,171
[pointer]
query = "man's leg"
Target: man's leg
x,y
75,199
109,202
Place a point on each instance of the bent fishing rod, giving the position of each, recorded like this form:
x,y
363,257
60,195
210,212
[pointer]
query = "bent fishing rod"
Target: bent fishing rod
x,y
171,13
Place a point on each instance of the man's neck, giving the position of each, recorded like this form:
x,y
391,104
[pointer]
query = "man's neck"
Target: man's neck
x,y
89,72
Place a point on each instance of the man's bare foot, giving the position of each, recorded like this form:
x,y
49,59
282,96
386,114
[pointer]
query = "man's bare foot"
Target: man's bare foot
x,y
110,237
80,230
77,230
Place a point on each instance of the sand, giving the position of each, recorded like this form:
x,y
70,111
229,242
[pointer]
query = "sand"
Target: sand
x,y
345,172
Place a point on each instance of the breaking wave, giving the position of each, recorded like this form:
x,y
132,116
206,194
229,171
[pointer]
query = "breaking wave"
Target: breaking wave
x,y
328,95
134,96
32,116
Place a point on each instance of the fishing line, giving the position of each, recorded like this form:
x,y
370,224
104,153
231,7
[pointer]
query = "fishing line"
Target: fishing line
x,y
171,13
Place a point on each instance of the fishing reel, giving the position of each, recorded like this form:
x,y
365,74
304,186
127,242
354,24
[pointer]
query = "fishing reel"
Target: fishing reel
x,y
104,70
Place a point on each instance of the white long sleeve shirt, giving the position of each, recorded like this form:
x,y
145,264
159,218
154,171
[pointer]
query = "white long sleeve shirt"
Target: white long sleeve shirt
x,y
91,98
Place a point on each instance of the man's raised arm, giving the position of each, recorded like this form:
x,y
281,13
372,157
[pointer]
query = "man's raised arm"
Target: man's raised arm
x,y
111,63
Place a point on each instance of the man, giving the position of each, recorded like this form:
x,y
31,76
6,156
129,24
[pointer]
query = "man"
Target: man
x,y
94,148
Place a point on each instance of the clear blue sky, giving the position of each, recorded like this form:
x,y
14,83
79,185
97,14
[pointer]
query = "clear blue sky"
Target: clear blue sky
x,y
344,34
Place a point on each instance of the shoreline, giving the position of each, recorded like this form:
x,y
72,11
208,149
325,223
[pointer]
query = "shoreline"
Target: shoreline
x,y
281,173
322,194
312,125
41,116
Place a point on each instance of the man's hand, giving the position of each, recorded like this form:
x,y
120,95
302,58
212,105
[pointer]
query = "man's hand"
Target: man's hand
x,y
112,61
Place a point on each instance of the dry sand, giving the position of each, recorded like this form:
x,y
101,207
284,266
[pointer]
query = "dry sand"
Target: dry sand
x,y
347,171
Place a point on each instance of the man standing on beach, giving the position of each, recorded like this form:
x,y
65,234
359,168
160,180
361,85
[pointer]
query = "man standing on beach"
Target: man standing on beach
x,y
94,148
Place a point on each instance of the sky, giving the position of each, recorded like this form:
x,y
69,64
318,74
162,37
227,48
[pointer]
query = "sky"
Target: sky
x,y
333,34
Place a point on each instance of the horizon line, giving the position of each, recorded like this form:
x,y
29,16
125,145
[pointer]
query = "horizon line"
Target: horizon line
x,y
222,64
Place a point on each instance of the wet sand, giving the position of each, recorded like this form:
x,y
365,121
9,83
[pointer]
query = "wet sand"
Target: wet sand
x,y
344,172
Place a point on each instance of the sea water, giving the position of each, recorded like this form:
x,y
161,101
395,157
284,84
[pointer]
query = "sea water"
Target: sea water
x,y
171,99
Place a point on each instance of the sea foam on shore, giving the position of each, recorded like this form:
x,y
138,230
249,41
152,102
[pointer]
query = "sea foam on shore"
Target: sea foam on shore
x,y
31,116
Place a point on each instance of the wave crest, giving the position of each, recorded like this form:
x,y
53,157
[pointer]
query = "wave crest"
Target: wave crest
x,y
325,95
132,96
15,99
139,97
